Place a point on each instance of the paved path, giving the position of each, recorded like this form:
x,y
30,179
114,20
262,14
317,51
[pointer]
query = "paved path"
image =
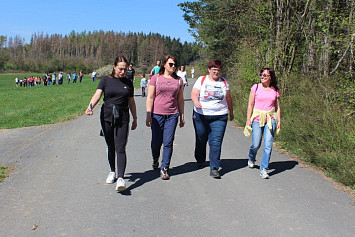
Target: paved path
x,y
58,188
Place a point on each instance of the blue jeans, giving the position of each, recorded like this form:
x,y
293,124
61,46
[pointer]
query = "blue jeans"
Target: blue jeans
x,y
209,128
163,132
256,142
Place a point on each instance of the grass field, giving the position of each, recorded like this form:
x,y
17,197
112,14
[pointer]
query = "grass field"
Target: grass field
x,y
32,106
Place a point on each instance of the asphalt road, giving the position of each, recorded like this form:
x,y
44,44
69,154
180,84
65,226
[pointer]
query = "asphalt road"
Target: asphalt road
x,y
58,188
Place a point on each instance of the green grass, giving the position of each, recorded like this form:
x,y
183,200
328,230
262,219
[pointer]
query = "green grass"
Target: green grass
x,y
4,172
32,106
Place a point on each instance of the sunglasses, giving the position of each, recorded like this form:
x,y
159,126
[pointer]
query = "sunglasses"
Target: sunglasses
x,y
172,65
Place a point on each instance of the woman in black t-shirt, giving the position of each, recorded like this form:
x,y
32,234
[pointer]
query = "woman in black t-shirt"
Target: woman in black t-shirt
x,y
118,100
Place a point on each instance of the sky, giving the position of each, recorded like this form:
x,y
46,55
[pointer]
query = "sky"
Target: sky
x,y
25,17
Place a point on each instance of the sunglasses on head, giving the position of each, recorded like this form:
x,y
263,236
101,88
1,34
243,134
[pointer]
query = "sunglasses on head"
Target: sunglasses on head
x,y
172,64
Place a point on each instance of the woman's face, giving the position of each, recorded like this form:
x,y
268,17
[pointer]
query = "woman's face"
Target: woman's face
x,y
214,72
120,69
170,66
265,77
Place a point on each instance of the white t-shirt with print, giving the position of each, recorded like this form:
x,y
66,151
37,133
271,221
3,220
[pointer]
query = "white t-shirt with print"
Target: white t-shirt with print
x,y
212,96
183,76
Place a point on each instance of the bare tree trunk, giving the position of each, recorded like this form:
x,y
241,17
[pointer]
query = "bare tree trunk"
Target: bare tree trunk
x,y
351,23
327,40
279,6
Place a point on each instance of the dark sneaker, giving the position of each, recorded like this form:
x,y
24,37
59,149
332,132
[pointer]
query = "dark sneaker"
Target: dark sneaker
x,y
155,164
215,174
164,174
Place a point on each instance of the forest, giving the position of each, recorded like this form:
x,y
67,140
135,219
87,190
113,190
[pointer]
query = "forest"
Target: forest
x,y
90,50
310,44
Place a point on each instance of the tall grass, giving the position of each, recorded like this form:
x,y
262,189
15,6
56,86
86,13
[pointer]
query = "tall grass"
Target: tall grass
x,y
31,106
318,129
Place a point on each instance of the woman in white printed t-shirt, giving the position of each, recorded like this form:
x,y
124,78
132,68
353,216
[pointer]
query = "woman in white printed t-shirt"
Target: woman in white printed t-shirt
x,y
212,101
182,73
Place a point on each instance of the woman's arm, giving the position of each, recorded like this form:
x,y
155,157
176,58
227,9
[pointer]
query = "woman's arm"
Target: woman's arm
x,y
95,98
132,108
149,104
250,107
181,107
230,105
278,112
195,93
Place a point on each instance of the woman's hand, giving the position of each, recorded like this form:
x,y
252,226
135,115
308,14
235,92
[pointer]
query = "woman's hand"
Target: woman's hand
x,y
231,116
278,125
148,120
182,122
134,124
198,105
89,111
248,123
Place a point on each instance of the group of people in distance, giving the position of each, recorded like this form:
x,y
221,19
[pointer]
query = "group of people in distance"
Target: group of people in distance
x,y
212,102
30,82
52,79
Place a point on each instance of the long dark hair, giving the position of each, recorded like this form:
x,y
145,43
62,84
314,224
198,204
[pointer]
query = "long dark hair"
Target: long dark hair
x,y
273,82
165,60
118,59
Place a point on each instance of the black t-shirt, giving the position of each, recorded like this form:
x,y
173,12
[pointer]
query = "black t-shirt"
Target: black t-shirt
x,y
130,74
116,91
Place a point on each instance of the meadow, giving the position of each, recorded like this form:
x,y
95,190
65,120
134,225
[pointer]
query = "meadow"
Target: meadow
x,y
33,106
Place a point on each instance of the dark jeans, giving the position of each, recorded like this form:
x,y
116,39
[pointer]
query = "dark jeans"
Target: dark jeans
x,y
209,128
163,132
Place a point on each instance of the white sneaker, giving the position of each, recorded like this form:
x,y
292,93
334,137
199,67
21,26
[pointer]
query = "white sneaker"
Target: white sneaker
x,y
251,163
264,174
121,185
111,177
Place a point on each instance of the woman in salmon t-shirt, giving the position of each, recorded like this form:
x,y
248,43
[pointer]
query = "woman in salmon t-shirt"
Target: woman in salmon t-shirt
x,y
165,104
265,119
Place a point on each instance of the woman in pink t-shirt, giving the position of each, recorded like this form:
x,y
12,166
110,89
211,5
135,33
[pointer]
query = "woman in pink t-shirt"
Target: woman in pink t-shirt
x,y
264,103
165,104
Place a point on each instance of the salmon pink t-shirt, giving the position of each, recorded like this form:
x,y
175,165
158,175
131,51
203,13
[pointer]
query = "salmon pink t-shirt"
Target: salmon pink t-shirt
x,y
166,94
264,99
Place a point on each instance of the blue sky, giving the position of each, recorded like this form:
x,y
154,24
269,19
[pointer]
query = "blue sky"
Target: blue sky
x,y
25,17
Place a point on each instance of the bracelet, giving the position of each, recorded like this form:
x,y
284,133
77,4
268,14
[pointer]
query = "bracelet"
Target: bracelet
x,y
134,117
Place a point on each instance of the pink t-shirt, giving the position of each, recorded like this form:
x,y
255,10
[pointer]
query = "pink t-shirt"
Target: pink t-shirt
x,y
166,94
264,99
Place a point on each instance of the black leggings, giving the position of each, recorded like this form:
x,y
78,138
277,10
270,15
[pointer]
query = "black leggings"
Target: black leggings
x,y
116,140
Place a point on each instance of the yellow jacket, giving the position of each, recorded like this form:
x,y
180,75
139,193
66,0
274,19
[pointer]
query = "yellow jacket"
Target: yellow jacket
x,y
262,120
